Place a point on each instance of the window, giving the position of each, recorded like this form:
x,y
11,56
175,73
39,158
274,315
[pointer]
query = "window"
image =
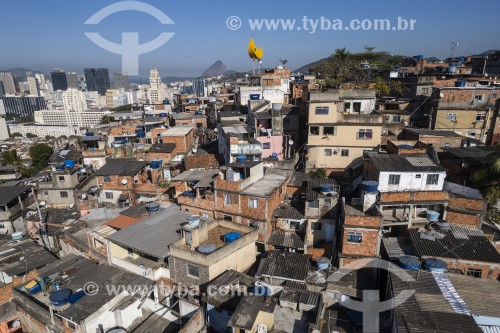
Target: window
x,y
61,178
314,204
474,272
193,271
63,194
71,324
478,98
471,134
328,152
396,119
317,226
480,117
347,106
345,152
452,116
228,199
328,202
365,134
329,130
425,91
394,179
266,145
253,203
228,218
314,130
130,251
432,179
447,145
321,110
354,237
46,193
109,195
418,176
294,225
356,107
107,179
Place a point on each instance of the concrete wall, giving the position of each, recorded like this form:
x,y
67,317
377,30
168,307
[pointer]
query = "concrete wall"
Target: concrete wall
x,y
409,182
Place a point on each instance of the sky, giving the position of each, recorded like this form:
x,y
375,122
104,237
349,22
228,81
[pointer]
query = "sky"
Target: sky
x,y
41,35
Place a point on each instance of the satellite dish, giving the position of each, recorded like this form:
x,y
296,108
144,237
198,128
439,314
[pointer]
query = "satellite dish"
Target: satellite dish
x,y
441,95
42,203
124,181
406,123
465,165
253,51
290,142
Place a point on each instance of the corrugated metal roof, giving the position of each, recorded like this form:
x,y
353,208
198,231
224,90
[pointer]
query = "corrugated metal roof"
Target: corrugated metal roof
x,y
154,234
286,265
457,243
287,211
122,221
400,163
120,167
298,179
313,187
289,239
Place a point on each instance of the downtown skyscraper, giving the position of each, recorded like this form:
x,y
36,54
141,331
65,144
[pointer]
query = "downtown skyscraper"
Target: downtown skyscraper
x,y
97,80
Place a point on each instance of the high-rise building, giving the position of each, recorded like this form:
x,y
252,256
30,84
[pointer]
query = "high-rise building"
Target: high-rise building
x,y
82,84
32,86
2,89
8,82
156,91
120,81
43,89
72,79
59,80
97,80
23,106
74,100
200,87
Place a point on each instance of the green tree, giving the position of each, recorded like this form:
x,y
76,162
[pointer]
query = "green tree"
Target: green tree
x,y
107,119
10,157
49,137
16,135
123,108
318,173
487,178
40,156
381,87
31,135
369,49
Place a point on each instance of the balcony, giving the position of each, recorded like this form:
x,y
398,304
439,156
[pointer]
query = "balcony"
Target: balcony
x,y
362,119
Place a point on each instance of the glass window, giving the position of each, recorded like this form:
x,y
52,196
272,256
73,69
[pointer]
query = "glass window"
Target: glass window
x,y
321,110
328,152
328,202
109,195
354,237
228,199
347,106
356,107
396,119
452,116
480,117
314,130
329,130
193,271
317,226
294,225
266,145
345,152
314,204
394,179
365,134
107,179
64,194
61,178
477,273
432,179
253,203
478,97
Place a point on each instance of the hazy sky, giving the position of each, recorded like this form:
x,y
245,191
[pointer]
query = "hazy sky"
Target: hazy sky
x,y
42,35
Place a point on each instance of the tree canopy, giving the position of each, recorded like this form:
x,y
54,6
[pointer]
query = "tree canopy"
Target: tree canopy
x,y
40,155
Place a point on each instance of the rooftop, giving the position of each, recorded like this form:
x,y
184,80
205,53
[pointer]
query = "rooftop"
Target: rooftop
x,y
162,148
246,312
202,178
154,234
9,193
17,258
288,239
135,211
458,243
179,130
122,221
290,211
266,185
68,154
404,163
299,179
286,265
229,279
313,187
471,152
427,132
121,167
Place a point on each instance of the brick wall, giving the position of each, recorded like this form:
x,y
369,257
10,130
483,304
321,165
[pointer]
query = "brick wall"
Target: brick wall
x,y
464,219
195,324
488,271
6,290
205,161
466,203
165,157
368,246
409,197
363,221
178,268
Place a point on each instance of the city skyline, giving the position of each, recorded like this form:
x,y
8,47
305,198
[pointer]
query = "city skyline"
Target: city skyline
x,y
200,28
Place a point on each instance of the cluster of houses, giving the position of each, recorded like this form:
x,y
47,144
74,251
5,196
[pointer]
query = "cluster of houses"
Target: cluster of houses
x,y
269,200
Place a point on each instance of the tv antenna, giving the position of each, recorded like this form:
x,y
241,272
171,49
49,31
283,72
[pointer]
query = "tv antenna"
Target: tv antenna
x,y
453,46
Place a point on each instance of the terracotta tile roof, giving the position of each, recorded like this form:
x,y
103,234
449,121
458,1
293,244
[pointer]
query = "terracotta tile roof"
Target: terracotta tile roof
x,y
122,221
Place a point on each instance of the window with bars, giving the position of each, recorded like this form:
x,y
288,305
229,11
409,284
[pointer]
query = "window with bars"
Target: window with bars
x,y
432,179
321,110
365,134
253,203
354,237
394,179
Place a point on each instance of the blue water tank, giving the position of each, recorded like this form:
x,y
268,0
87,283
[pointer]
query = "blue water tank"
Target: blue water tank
x,y
370,185
163,114
190,194
254,97
241,158
405,146
420,56
76,296
89,134
461,59
274,155
60,167
435,265
432,215
198,113
69,163
34,289
207,248
260,291
140,134
325,187
153,207
409,262
166,101
60,297
323,263
155,164
460,83
232,236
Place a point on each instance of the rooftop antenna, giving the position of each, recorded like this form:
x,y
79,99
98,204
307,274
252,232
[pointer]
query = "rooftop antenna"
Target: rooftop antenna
x,y
453,46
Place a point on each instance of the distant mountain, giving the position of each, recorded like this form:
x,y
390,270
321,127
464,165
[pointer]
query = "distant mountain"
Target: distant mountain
x,y
218,68
21,72
311,65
